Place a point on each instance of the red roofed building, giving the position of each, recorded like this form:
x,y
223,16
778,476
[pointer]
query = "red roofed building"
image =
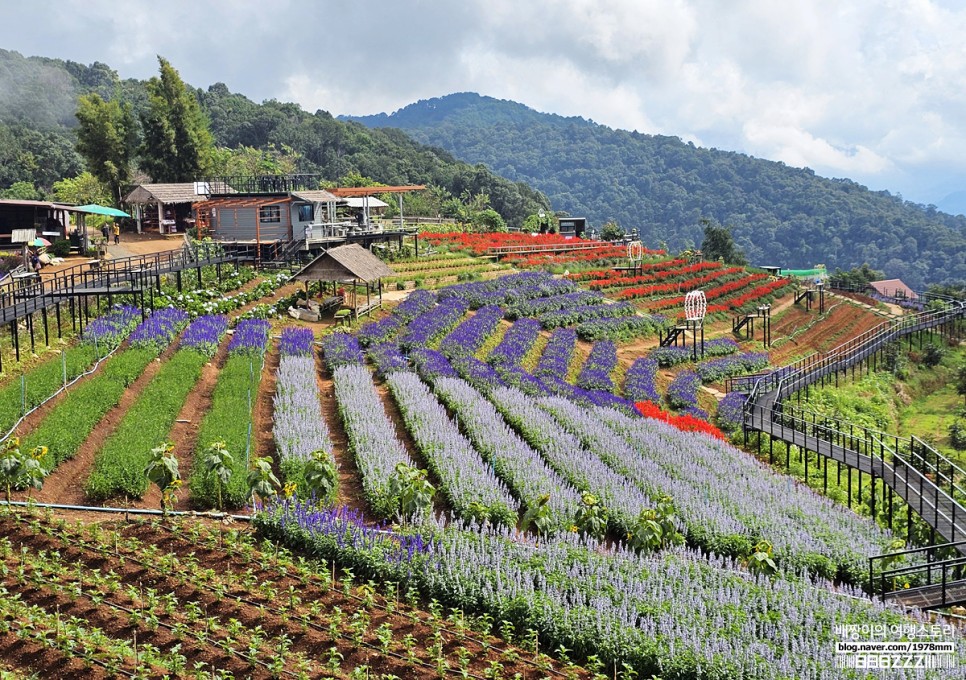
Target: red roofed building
x,y
894,288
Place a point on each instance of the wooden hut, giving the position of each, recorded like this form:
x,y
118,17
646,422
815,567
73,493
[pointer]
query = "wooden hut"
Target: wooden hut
x,y
349,265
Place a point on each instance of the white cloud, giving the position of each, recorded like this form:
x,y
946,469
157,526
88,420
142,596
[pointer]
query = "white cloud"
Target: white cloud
x,y
863,88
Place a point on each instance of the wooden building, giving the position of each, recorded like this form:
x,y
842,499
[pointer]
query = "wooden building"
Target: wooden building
x,y
165,208
265,217
49,220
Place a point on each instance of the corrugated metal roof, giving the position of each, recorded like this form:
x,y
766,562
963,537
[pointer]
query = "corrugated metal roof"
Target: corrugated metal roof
x,y
183,192
344,263
317,196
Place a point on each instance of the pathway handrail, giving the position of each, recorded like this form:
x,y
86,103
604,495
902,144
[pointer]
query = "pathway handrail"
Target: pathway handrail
x,y
950,571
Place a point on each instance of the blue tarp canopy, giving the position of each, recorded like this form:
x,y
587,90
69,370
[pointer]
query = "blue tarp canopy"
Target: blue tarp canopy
x,y
95,209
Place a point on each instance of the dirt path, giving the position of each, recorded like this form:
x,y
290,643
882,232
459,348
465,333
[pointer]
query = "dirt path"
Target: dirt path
x,y
263,415
66,483
350,492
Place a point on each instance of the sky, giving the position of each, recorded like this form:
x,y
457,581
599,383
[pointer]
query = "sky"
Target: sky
x,y
869,90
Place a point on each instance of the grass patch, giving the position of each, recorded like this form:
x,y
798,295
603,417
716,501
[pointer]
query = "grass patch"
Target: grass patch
x,y
70,423
228,421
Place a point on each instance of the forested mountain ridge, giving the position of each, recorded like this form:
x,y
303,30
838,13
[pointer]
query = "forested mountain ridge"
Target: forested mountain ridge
x,y
39,96
662,186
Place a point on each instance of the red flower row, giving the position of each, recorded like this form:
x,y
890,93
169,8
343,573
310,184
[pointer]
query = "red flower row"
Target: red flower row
x,y
665,288
603,253
685,423
479,243
712,294
686,270
754,294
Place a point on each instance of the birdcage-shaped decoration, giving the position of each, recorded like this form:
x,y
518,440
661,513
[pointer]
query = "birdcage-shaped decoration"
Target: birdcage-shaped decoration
x,y
695,307
635,252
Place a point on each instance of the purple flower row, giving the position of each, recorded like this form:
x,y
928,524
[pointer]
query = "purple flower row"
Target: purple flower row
x,y
574,315
516,343
619,328
372,436
671,356
595,375
387,358
514,460
556,356
108,331
159,329
720,347
470,335
683,390
514,376
731,412
465,479
508,289
478,373
342,349
537,306
250,337
716,370
433,323
205,333
567,456
727,498
640,383
296,342
587,398
432,364
299,428
416,303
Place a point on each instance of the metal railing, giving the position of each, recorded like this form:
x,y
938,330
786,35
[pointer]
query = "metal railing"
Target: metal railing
x,y
932,572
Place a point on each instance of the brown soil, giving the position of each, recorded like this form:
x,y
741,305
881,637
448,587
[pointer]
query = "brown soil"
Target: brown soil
x,y
65,484
225,607
263,416
350,492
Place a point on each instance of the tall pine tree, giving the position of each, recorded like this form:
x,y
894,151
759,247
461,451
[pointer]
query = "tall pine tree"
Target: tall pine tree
x,y
177,142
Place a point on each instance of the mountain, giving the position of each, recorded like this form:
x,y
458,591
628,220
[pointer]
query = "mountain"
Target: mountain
x,y
664,187
38,98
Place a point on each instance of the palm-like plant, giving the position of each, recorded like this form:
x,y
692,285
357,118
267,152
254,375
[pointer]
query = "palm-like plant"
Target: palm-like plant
x,y
162,471
217,463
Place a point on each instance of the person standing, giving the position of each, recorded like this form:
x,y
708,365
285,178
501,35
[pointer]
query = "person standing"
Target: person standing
x,y
117,233
104,231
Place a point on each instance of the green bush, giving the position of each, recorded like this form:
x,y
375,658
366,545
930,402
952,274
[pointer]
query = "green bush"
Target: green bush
x,y
119,465
60,248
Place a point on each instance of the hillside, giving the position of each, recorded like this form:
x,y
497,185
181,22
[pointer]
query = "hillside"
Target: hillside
x,y
38,98
662,186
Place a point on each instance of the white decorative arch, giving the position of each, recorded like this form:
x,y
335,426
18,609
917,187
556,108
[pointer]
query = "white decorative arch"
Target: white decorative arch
x,y
635,251
695,306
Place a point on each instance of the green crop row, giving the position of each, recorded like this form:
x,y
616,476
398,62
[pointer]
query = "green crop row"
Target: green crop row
x,y
70,423
228,421
41,382
119,466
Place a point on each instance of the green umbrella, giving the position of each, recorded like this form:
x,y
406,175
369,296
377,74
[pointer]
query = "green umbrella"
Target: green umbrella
x,y
95,209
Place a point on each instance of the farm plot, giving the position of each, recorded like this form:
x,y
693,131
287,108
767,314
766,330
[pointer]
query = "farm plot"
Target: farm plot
x,y
141,600
616,609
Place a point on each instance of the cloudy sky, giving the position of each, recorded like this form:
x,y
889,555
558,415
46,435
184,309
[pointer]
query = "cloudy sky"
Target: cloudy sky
x,y
871,90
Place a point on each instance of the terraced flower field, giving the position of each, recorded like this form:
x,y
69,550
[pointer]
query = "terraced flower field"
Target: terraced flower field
x,y
505,442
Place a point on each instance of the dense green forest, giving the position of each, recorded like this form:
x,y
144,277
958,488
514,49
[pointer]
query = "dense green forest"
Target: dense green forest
x,y
39,99
664,187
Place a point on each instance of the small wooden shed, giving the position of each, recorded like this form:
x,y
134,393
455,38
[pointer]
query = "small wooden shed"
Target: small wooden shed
x,y
350,265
